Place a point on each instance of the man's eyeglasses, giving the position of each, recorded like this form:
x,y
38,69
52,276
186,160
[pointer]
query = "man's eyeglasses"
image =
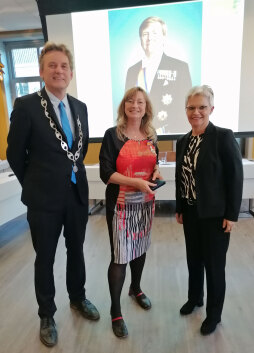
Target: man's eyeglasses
x,y
202,108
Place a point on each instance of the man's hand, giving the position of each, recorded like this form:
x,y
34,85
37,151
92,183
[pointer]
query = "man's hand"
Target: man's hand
x,y
227,225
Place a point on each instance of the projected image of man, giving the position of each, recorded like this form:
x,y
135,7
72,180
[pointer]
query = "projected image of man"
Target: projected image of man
x,y
163,77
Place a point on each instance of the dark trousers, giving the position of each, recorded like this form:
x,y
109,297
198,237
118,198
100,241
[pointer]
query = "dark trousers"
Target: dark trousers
x,y
206,248
45,229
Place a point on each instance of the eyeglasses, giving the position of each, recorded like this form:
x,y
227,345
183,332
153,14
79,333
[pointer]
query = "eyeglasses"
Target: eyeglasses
x,y
202,108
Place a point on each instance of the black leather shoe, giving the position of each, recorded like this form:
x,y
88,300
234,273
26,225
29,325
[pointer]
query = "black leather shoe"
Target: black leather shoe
x,y
141,299
208,326
86,308
48,332
119,328
188,307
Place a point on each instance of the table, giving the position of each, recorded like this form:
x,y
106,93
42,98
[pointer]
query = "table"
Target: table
x,y
10,189
10,194
167,192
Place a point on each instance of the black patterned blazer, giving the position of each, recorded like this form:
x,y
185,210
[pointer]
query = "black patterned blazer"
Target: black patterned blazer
x,y
218,175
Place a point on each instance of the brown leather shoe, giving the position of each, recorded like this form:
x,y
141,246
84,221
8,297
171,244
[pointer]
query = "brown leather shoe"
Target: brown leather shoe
x,y
141,299
86,308
48,331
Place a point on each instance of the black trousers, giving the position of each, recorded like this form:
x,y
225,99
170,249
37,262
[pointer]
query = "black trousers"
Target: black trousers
x,y
45,229
206,248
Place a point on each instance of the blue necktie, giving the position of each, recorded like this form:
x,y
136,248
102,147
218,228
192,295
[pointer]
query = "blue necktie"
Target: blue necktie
x,y
67,130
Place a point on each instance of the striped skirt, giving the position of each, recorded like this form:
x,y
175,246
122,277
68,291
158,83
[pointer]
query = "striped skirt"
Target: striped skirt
x,y
130,230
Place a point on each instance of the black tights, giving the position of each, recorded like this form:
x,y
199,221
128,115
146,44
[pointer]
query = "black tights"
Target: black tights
x,y
116,277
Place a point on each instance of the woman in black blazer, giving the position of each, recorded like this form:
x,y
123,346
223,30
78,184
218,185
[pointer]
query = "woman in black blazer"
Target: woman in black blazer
x,y
209,179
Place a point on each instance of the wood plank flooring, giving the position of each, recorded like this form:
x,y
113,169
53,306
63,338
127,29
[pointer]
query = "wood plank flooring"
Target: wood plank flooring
x,y
160,330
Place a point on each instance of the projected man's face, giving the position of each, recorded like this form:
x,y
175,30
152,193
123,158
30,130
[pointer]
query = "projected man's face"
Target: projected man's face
x,y
198,110
135,107
152,39
56,72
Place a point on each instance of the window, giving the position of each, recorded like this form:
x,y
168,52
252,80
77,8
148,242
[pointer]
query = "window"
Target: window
x,y
23,65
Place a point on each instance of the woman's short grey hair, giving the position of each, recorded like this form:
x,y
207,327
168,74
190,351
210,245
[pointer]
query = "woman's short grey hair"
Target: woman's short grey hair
x,y
204,90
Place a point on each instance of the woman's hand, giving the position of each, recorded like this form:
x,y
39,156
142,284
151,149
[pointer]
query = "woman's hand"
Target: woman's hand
x,y
144,185
137,183
227,225
156,173
179,218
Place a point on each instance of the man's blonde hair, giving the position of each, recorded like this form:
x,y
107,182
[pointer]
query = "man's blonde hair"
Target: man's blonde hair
x,y
51,46
153,19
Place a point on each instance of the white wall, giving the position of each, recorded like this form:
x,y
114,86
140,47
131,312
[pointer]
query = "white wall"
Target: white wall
x,y
246,111
231,80
60,27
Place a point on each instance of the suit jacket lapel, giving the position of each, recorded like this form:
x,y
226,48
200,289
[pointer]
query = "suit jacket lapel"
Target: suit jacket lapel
x,y
158,84
52,113
208,138
185,142
75,117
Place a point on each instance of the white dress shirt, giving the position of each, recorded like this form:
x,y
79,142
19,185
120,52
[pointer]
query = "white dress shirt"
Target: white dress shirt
x,y
55,101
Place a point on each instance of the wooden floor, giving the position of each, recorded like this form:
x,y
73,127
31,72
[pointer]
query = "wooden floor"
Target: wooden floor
x,y
160,330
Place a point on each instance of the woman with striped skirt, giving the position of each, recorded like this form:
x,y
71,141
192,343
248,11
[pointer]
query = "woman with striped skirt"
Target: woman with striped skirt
x,y
128,163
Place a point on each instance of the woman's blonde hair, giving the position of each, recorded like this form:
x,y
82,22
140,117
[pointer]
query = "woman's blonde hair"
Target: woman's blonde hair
x,y
146,126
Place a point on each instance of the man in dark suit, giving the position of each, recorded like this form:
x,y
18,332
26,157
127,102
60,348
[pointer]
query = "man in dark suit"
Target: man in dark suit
x,y
47,143
166,79
209,182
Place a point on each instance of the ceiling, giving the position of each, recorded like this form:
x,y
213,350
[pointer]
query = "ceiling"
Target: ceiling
x,y
19,15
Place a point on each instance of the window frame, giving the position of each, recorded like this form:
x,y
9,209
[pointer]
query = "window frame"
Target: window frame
x,y
9,46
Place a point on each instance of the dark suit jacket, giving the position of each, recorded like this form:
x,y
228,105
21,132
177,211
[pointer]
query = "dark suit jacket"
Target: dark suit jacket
x,y
219,174
170,85
36,157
